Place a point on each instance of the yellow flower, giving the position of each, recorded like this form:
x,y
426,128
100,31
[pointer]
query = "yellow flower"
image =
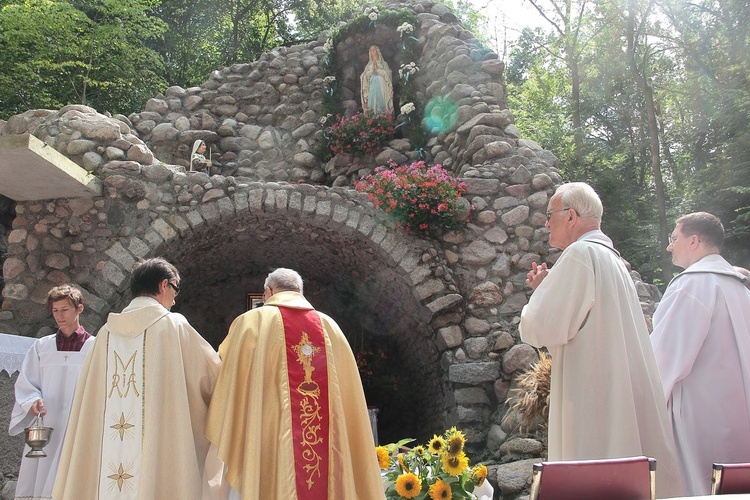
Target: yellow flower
x,y
479,473
408,485
456,441
455,466
418,450
441,490
437,443
384,458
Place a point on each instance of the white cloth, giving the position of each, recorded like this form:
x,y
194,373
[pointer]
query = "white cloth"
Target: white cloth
x,y
702,344
13,349
51,375
605,394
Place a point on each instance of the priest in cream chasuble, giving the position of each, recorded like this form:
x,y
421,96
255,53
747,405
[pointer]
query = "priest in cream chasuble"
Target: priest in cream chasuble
x,y
136,429
289,415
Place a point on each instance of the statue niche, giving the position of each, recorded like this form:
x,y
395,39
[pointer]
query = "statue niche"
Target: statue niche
x,y
377,85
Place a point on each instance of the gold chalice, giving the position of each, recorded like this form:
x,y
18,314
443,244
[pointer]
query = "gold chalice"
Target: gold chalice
x,y
37,436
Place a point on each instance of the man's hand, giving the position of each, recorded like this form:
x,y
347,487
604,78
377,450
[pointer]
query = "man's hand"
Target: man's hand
x,y
536,275
38,408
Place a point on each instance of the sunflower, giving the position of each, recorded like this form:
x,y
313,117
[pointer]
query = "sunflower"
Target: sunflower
x,y
384,458
436,445
408,485
479,473
441,490
418,450
455,442
455,466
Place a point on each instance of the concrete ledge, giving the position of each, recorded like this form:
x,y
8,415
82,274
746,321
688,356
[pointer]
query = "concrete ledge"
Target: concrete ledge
x,y
32,170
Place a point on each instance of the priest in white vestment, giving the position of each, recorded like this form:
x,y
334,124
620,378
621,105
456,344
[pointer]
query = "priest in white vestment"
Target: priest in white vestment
x,y
45,386
702,344
136,431
605,393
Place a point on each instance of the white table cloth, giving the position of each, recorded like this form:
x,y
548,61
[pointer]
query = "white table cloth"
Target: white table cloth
x,y
13,349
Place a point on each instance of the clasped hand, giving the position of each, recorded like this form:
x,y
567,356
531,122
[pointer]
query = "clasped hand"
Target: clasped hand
x,y
536,275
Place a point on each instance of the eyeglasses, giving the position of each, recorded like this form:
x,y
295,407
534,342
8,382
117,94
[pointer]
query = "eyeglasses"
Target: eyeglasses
x,y
549,214
176,288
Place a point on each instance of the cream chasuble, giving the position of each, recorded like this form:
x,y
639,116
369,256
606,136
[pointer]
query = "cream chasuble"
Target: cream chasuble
x,y
136,428
289,415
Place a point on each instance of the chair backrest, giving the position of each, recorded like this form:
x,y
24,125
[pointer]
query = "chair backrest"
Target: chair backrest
x,y
730,478
631,478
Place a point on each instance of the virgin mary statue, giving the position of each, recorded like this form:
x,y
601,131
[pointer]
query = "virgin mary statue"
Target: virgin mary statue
x,y
377,85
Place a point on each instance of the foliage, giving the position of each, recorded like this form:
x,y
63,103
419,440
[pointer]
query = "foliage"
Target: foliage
x,y
439,469
694,59
55,53
361,134
115,55
416,196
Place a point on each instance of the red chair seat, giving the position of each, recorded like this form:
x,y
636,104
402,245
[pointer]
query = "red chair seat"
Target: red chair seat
x,y
631,478
730,479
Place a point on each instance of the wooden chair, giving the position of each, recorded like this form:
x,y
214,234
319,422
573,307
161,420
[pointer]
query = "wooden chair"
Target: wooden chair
x,y
730,478
631,478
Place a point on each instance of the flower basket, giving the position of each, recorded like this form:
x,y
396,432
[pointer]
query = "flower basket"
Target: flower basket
x,y
417,196
361,134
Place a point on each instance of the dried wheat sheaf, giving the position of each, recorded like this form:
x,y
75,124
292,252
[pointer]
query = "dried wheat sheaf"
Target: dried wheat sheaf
x,y
529,400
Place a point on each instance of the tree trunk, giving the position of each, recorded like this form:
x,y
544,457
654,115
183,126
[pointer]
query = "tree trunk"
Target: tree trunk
x,y
653,133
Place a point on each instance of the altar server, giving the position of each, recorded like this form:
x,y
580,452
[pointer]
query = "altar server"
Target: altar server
x,y
45,387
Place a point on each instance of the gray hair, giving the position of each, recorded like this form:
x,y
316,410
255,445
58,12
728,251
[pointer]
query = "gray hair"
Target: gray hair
x,y
284,280
582,198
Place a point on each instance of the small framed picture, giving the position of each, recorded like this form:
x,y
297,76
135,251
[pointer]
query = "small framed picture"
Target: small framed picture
x,y
254,300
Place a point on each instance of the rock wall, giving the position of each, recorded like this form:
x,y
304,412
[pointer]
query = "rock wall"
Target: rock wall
x,y
450,300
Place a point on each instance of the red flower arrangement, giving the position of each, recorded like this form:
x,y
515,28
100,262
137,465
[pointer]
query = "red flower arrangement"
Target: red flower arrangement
x,y
361,134
416,196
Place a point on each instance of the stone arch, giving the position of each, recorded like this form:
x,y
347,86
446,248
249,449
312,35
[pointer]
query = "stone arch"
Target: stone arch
x,y
383,286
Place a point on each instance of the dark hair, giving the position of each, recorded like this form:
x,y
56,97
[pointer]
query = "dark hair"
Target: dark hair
x,y
705,225
63,292
148,274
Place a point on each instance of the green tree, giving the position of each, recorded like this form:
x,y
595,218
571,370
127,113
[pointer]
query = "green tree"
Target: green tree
x,y
54,53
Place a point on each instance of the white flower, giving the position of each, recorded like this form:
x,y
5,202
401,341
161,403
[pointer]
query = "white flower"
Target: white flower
x,y
407,69
329,79
408,108
373,16
324,119
328,45
405,28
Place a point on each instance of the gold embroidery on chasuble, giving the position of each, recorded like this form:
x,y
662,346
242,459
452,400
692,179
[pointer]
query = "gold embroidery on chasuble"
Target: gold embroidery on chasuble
x,y
309,408
123,445
308,386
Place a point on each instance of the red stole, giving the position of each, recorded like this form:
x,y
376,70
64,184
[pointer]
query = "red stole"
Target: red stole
x,y
308,386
